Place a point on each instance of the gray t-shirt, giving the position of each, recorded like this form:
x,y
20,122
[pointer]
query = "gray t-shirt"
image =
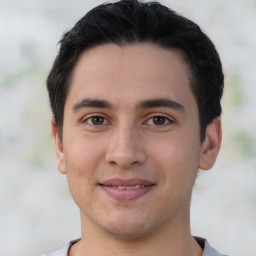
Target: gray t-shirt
x,y
208,250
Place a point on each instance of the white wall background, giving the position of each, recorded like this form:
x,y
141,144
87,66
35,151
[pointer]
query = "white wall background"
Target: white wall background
x,y
36,212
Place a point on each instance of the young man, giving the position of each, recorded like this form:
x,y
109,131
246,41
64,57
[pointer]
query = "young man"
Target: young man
x,y
135,93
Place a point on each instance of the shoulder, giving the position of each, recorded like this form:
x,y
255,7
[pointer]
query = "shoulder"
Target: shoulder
x,y
63,251
208,249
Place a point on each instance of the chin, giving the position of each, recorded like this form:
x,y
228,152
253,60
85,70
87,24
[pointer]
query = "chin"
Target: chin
x,y
127,233
128,227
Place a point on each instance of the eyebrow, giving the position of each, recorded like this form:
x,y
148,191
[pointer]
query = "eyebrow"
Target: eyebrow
x,y
156,103
91,103
151,103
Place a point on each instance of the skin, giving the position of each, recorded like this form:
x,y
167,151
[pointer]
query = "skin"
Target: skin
x,y
127,138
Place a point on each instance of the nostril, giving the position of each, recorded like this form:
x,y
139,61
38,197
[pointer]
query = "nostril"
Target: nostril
x,y
113,163
124,163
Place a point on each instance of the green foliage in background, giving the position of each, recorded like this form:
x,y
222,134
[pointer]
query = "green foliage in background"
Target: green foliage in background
x,y
239,143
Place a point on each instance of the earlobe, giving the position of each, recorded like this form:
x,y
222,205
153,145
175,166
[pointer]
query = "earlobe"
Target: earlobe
x,y
211,145
58,147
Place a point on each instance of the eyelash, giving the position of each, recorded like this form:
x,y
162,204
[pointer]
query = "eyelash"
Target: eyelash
x,y
149,121
89,120
166,120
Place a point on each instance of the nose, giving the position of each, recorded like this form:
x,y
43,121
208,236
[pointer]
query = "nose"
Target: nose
x,y
125,148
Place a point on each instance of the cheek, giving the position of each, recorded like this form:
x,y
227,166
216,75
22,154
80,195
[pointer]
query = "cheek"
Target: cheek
x,y
82,160
178,157
82,154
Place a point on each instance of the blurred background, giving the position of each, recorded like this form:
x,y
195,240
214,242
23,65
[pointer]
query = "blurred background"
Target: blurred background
x,y
37,214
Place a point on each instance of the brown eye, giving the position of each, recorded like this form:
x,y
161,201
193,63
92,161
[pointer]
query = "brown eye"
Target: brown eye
x,y
159,120
96,120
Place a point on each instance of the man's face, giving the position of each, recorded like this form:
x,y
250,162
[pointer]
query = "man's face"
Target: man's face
x,y
131,147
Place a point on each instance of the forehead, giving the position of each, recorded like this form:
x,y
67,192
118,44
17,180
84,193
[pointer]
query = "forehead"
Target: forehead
x,y
150,57
130,73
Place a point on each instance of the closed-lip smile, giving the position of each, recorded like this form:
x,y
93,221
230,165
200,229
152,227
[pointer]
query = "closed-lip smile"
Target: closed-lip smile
x,y
126,189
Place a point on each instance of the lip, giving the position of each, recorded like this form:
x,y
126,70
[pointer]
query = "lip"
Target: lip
x,y
115,188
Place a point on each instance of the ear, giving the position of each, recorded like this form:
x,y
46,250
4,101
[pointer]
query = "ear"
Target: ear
x,y
58,147
211,145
